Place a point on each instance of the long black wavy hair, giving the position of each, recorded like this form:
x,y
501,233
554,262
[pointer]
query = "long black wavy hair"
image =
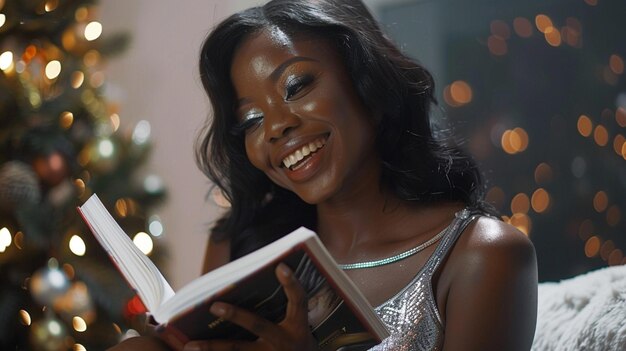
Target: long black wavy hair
x,y
416,166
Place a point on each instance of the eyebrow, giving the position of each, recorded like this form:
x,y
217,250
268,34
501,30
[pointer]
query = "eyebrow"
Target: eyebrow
x,y
281,68
278,71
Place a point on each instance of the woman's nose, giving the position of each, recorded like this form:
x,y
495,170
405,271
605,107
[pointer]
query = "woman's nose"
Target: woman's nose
x,y
279,123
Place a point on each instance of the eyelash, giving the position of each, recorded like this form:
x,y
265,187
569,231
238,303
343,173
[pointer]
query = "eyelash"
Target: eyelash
x,y
243,126
293,87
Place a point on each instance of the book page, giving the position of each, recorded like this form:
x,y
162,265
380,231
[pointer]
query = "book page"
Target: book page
x,y
136,267
212,282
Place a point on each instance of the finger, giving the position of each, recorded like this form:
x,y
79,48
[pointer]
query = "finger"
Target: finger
x,y
296,296
219,345
260,327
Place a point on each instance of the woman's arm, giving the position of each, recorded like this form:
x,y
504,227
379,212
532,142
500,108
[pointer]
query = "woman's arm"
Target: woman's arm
x,y
492,296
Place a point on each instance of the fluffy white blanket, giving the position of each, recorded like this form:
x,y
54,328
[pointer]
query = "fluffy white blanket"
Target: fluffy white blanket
x,y
587,312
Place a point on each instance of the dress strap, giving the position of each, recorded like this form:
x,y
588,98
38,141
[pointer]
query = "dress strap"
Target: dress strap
x,y
462,219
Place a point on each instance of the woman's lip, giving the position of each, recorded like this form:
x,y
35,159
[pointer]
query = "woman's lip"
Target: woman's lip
x,y
295,144
309,166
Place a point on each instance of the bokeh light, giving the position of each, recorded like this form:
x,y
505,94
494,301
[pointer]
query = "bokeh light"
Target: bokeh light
x,y
613,216
77,245
522,27
592,246
51,5
93,30
585,230
543,173
77,79
606,248
618,144
620,116
600,201
520,203
66,120
79,324
616,63
540,200
144,242
53,69
25,318
500,29
601,135
553,36
6,60
497,45
5,238
522,222
585,126
514,141
543,23
461,92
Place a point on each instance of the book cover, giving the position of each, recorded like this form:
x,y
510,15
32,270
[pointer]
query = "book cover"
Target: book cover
x,y
340,317
332,320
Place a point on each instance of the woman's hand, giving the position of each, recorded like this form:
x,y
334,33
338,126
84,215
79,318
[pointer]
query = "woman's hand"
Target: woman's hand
x,y
292,333
146,343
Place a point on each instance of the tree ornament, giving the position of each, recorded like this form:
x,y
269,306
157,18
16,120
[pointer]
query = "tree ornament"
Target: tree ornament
x,y
52,169
76,302
48,334
48,284
18,185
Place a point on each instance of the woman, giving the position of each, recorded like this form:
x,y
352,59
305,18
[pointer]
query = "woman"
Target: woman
x,y
319,120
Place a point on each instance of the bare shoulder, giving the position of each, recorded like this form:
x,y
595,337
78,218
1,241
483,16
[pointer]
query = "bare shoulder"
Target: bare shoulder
x,y
491,295
489,240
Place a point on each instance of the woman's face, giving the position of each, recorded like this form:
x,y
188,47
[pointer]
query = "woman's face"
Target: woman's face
x,y
305,126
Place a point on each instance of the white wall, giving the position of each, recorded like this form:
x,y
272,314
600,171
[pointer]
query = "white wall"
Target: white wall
x,y
156,79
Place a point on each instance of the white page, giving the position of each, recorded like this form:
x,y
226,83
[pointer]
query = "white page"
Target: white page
x,y
138,269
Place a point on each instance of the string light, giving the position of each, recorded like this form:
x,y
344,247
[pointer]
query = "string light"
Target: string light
x,y
53,69
585,126
93,30
144,242
6,60
543,23
77,245
5,238
79,324
25,318
522,27
66,120
616,63
3,19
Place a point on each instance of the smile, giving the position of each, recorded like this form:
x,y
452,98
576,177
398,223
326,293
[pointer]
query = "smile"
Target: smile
x,y
295,160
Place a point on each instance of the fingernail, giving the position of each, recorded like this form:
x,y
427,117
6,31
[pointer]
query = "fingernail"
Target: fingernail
x,y
284,270
218,309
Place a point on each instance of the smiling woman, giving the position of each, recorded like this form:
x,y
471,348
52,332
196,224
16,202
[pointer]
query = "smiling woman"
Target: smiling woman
x,y
320,121
302,102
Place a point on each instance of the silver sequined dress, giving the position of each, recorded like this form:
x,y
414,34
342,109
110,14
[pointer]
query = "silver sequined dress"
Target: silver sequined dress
x,y
411,315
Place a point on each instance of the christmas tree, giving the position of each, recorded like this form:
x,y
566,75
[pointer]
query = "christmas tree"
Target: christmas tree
x,y
60,142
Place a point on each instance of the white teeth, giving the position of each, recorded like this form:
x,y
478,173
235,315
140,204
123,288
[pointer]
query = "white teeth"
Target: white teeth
x,y
303,152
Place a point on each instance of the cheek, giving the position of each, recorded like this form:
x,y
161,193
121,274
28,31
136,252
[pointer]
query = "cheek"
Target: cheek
x,y
254,151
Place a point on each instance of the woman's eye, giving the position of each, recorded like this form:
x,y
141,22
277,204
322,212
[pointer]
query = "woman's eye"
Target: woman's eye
x,y
296,85
251,121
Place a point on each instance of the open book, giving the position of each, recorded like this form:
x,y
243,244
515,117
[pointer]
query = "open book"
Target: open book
x,y
339,316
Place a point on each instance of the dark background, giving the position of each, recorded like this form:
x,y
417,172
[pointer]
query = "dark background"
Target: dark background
x,y
542,88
